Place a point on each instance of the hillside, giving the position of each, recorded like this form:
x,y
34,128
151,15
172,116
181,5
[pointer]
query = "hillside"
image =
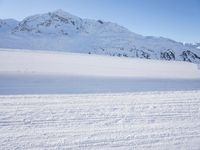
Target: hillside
x,y
41,72
61,31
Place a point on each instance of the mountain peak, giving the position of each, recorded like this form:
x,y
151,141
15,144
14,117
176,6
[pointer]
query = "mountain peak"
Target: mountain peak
x,y
60,30
63,14
60,11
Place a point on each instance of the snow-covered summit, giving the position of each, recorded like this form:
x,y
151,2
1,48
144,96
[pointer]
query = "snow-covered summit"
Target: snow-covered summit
x,y
7,24
64,14
58,22
63,31
63,23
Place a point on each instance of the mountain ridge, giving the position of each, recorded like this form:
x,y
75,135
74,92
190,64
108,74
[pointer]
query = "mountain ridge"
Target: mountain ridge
x,y
63,31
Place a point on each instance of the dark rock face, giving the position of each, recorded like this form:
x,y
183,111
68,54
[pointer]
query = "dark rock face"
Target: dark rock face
x,y
143,53
167,55
190,56
100,21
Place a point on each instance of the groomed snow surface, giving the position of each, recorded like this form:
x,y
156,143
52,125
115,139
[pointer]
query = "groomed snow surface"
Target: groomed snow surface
x,y
149,120
54,100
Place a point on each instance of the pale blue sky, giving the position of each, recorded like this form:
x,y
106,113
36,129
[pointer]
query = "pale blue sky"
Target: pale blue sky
x,y
175,19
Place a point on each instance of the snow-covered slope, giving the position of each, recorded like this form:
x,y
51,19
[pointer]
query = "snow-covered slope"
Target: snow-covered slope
x,y
7,25
39,111
41,72
125,121
41,62
62,31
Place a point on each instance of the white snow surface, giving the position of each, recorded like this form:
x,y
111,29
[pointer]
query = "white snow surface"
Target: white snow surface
x,y
56,100
41,72
143,120
61,31
41,62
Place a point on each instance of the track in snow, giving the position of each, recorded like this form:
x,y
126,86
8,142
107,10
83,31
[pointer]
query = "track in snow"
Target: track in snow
x,y
143,120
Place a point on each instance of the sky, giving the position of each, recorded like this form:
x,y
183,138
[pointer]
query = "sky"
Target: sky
x,y
175,19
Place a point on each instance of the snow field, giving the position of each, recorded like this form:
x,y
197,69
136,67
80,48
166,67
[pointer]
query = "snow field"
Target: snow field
x,y
34,62
142,104
141,120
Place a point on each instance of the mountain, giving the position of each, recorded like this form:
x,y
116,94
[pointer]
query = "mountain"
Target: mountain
x,y
62,31
195,45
